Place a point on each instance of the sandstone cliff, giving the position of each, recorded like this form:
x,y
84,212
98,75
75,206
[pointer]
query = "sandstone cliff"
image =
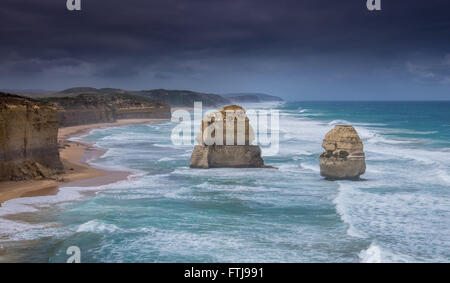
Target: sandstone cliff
x,y
28,138
344,156
225,141
103,108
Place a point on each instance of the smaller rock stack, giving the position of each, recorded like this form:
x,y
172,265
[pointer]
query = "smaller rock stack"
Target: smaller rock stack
x,y
219,149
344,156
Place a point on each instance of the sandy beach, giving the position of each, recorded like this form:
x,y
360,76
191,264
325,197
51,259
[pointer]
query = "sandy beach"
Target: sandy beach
x,y
76,170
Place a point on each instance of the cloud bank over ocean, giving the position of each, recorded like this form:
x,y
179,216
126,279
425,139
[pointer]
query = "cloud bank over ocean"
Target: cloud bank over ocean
x,y
296,49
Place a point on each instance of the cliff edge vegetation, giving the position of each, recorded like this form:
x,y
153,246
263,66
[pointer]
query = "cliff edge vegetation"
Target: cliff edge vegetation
x,y
174,98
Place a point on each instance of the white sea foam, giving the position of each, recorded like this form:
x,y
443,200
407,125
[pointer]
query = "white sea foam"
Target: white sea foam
x,y
378,209
310,167
309,114
169,145
339,122
376,254
345,122
164,159
411,132
443,176
386,208
302,152
342,207
14,227
96,226
382,206
34,204
371,255
31,204
428,157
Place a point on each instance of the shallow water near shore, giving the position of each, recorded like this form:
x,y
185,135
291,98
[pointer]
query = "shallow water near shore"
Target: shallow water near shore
x,y
167,212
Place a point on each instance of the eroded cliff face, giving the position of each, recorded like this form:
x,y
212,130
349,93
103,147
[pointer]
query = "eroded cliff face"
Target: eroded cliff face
x,y
99,108
84,115
143,112
344,157
28,139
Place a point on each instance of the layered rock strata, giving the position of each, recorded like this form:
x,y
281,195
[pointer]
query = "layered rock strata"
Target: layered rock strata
x,y
225,141
28,139
105,108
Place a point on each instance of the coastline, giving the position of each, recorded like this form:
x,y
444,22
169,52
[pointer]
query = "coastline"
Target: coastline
x,y
77,172
344,200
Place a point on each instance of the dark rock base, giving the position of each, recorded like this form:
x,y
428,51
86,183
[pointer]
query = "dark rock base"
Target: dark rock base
x,y
335,168
227,156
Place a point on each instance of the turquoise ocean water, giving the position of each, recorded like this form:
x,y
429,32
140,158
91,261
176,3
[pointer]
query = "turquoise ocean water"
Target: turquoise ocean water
x,y
167,212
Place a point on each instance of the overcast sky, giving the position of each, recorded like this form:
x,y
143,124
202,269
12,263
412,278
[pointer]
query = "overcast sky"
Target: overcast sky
x,y
297,49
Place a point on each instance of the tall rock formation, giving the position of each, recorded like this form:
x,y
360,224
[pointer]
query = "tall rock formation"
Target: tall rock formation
x,y
225,141
344,156
28,138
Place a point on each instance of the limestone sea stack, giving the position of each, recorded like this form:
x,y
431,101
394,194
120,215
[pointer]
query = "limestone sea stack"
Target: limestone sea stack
x,y
225,141
344,156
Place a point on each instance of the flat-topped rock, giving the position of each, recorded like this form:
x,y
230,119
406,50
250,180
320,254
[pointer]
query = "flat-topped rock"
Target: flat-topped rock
x,y
344,157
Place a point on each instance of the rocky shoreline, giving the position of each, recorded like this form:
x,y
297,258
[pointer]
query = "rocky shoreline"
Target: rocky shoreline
x,y
74,156
35,153
34,148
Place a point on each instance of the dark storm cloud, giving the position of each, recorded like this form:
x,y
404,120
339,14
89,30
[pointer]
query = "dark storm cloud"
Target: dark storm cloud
x,y
431,70
175,40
